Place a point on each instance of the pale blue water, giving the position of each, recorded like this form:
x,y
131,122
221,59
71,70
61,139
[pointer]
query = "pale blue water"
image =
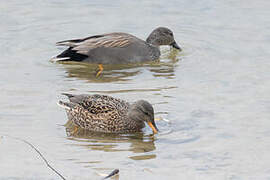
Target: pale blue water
x,y
215,93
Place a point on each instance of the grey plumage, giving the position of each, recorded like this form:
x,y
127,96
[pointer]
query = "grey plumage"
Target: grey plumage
x,y
116,48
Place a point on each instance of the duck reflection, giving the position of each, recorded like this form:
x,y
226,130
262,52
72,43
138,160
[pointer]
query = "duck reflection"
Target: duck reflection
x,y
123,72
165,68
111,73
108,142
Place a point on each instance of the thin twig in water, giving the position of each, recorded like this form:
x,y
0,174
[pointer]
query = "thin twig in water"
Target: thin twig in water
x,y
115,172
44,159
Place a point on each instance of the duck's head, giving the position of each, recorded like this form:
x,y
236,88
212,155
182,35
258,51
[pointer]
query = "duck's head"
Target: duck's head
x,y
143,111
162,36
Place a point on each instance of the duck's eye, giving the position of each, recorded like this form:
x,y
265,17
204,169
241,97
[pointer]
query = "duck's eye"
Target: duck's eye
x,y
146,113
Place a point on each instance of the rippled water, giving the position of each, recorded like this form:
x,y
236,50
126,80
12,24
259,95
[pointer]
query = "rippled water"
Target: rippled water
x,y
215,94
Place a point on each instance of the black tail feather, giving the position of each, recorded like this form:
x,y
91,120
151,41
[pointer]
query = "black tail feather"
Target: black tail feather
x,y
72,55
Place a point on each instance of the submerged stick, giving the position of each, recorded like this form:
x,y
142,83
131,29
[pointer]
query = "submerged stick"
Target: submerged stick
x,y
39,153
115,172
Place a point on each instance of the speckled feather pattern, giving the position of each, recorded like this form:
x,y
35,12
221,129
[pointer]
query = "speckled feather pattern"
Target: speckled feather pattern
x,y
101,113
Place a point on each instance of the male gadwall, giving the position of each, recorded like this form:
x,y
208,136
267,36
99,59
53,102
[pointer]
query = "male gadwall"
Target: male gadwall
x,y
102,113
116,48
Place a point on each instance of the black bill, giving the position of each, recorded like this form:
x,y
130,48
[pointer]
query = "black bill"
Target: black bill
x,y
175,45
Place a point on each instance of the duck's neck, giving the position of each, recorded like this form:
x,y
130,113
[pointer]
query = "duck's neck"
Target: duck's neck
x,y
154,51
133,121
152,40
153,45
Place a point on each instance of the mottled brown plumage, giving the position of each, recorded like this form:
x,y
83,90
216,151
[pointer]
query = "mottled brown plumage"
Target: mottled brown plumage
x,y
102,113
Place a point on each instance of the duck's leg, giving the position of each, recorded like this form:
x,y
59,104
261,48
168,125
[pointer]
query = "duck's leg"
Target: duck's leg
x,y
100,69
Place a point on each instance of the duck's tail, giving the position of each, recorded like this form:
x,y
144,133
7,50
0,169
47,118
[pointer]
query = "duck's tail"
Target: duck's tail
x,y
66,105
68,95
56,59
69,55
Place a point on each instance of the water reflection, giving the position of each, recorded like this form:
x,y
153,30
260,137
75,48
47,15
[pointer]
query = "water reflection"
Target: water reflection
x,y
165,68
125,72
111,73
134,142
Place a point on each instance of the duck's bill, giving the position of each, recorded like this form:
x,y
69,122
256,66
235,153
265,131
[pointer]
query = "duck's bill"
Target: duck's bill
x,y
153,127
175,45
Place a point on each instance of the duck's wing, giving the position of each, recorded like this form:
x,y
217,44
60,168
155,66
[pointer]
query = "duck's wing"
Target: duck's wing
x,y
112,40
98,104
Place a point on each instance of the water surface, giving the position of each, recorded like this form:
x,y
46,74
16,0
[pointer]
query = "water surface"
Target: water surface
x,y
215,93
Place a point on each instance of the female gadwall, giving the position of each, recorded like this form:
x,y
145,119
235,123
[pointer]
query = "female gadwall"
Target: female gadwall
x,y
116,48
102,113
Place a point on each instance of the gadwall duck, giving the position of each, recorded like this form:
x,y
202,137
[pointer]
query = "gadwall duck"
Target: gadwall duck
x,y
102,113
116,48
